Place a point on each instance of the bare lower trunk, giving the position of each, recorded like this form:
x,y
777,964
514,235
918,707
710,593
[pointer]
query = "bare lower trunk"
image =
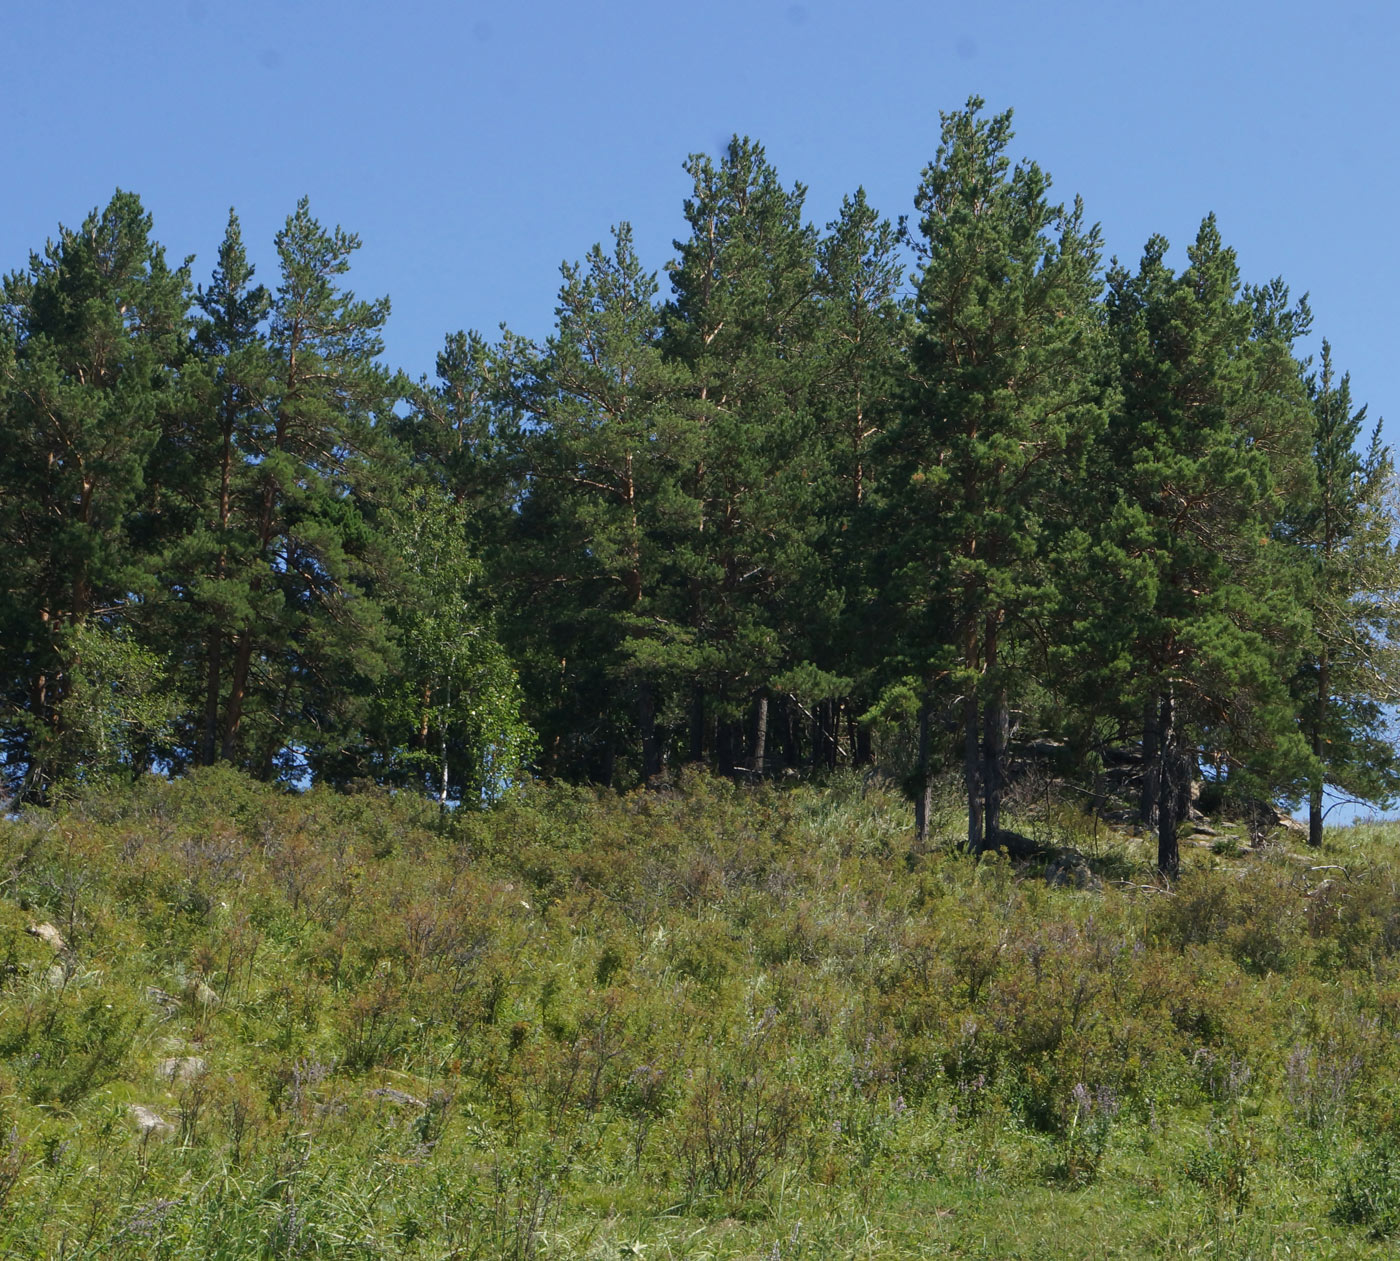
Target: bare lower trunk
x,y
725,747
787,735
1184,779
697,725
923,796
972,773
1151,766
824,735
1168,854
1315,796
646,719
209,742
758,750
865,753
233,714
995,724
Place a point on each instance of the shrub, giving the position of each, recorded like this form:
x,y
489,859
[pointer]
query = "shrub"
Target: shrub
x,y
1368,1192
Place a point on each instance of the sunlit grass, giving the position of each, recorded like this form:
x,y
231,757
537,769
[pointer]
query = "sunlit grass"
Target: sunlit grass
x,y
709,1021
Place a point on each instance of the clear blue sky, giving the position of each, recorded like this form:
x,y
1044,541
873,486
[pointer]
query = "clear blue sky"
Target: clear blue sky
x,y
475,146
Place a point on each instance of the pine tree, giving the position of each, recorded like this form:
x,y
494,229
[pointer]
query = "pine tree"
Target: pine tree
x,y
1351,670
1007,390
858,366
463,433
307,642
208,566
93,340
741,323
1206,452
605,451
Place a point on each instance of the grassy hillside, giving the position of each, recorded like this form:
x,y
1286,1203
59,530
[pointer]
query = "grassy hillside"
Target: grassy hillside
x,y
707,1022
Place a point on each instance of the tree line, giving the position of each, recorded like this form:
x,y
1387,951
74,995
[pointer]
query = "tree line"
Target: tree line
x,y
911,491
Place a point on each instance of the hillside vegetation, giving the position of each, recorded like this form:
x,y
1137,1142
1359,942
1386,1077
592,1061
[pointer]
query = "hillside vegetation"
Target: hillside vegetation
x,y
704,1020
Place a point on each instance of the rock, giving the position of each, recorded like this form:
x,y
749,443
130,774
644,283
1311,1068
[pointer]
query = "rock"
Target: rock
x,y
202,993
49,935
1292,826
150,1123
399,1097
179,1069
1070,869
168,1003
56,977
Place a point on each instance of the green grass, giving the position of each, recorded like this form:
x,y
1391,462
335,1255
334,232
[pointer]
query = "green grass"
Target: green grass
x,y
705,1022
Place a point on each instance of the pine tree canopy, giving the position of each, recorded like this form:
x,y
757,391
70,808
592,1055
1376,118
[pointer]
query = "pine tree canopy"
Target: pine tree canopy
x,y
925,494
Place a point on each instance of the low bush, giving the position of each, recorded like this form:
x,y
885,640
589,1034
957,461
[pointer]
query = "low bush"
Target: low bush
x,y
702,1019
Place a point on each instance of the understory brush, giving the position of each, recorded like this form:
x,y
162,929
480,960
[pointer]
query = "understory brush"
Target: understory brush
x,y
704,1019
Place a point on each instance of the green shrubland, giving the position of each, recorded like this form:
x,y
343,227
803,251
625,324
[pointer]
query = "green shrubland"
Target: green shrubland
x,y
699,1020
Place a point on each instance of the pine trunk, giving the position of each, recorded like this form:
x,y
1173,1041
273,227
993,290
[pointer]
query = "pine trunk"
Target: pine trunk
x,y
923,797
1168,854
972,773
209,742
646,720
233,713
1151,767
787,730
995,727
865,752
1315,796
828,729
697,724
758,749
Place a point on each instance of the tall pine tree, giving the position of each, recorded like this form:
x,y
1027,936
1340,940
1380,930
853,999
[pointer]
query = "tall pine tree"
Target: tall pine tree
x,y
1007,390
1351,670
93,336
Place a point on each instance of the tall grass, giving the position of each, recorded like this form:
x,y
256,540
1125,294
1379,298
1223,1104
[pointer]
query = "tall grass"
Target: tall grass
x,y
701,1021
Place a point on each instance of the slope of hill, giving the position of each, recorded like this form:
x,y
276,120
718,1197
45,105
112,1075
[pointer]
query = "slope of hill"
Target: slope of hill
x,y
701,1021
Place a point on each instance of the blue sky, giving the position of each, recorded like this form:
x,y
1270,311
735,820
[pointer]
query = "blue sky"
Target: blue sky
x,y
475,146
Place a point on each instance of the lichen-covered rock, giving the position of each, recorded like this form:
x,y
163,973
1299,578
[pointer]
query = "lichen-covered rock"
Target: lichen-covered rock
x,y
178,1069
166,1002
49,935
1070,869
149,1122
399,1097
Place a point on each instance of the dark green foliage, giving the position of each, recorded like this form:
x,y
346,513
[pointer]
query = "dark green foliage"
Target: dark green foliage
x,y
595,570
1027,520
1008,387
1199,465
1345,528
741,324
91,347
